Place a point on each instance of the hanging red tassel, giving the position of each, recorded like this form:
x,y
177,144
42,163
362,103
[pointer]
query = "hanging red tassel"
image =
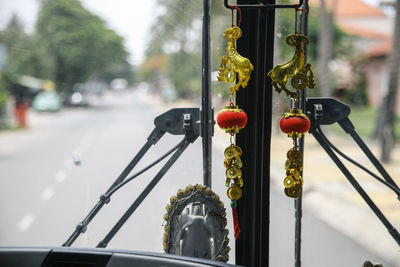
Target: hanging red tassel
x,y
236,226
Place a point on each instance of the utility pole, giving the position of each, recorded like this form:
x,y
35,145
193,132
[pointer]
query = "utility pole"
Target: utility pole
x,y
388,134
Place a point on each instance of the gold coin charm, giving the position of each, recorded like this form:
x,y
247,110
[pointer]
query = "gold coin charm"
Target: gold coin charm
x,y
291,165
293,172
287,164
293,181
288,181
238,181
293,192
230,152
299,81
237,162
227,163
233,172
234,192
239,151
294,155
233,165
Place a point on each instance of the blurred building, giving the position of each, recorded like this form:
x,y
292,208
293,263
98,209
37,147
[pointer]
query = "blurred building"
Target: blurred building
x,y
373,29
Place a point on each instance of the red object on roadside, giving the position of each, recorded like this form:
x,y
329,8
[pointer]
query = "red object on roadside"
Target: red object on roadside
x,y
232,119
20,114
294,124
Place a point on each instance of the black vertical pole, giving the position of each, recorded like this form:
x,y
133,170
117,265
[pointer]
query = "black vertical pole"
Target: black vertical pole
x,y
302,100
256,44
206,111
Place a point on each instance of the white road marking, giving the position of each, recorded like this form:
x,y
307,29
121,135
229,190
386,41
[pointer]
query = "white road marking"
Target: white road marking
x,y
83,145
47,193
61,176
26,222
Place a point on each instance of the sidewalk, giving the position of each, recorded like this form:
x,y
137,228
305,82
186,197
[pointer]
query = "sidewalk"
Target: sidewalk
x,y
329,196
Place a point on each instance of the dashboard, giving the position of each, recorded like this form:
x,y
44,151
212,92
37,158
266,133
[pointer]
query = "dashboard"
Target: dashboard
x,y
94,257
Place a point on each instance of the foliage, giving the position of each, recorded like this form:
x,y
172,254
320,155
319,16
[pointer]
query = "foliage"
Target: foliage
x,y
3,95
176,35
79,42
341,47
173,36
357,92
185,77
364,119
342,40
26,55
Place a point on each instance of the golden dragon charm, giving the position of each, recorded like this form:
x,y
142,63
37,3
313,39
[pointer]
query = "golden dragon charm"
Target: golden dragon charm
x,y
301,74
234,63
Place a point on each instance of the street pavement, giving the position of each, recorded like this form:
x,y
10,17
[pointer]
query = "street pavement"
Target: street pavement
x,y
54,172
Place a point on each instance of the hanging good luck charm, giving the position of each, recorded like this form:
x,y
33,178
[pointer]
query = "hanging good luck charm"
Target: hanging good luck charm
x,y
301,74
294,124
232,119
233,62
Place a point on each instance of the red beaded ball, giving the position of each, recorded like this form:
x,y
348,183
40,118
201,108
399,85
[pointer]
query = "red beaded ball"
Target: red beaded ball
x,y
232,119
294,124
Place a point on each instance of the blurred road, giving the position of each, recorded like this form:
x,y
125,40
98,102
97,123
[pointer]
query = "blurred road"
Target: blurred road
x,y
45,192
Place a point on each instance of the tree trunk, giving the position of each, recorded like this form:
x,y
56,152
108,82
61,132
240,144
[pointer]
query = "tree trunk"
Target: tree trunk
x,y
388,134
324,50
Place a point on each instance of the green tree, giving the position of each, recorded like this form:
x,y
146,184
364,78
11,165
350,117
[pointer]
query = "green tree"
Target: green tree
x,y
341,48
78,41
3,97
176,35
26,55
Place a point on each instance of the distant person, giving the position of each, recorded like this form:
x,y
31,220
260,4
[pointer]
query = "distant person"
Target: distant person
x,y
21,108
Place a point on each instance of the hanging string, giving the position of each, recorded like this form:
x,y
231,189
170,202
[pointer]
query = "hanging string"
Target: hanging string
x,y
296,9
232,15
239,13
295,143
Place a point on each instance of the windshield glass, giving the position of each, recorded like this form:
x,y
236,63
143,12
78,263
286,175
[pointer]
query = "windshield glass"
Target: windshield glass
x,y
346,41
81,82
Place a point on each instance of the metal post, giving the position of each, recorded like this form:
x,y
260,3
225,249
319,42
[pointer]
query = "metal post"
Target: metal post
x,y
302,101
206,111
256,44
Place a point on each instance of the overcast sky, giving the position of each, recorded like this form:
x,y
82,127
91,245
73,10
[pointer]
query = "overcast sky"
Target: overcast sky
x,y
129,18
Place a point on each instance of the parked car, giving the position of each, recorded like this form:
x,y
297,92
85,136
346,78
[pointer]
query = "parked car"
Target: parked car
x,y
47,101
76,98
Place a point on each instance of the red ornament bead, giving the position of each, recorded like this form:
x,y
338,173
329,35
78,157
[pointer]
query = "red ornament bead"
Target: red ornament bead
x,y
232,119
294,124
